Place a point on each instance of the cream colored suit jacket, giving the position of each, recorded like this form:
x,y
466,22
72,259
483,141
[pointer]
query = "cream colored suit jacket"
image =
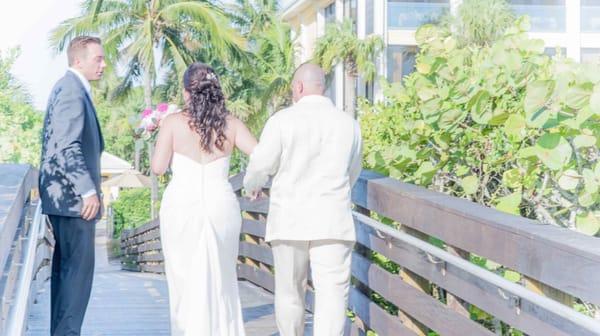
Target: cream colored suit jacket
x,y
313,150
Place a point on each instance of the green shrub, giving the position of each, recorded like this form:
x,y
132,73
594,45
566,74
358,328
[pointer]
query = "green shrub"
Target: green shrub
x,y
131,209
501,124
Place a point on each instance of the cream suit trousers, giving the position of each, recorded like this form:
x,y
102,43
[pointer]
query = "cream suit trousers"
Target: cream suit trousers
x,y
330,265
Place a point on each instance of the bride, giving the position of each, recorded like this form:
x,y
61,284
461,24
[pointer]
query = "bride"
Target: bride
x,y
200,215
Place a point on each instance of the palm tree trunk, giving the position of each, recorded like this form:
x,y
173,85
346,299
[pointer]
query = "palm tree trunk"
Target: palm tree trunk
x,y
350,94
154,187
153,178
148,87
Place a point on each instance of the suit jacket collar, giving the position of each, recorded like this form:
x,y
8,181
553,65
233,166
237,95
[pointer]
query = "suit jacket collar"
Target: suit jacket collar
x,y
86,84
315,99
83,82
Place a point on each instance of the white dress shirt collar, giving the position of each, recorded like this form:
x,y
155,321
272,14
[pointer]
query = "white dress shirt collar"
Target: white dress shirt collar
x,y
84,81
315,99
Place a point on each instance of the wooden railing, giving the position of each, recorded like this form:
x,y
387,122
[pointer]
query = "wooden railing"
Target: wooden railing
x,y
141,249
25,246
404,284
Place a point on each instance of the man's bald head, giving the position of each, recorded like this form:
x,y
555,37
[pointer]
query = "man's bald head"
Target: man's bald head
x,y
309,79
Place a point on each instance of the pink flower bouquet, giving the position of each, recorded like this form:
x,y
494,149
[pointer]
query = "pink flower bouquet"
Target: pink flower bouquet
x,y
150,120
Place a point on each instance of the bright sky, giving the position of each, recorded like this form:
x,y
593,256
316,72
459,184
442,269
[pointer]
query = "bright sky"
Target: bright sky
x,y
27,23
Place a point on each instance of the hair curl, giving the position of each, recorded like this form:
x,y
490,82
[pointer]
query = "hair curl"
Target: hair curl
x,y
206,106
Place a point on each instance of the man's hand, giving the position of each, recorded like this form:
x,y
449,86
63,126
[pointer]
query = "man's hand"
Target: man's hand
x,y
254,195
91,206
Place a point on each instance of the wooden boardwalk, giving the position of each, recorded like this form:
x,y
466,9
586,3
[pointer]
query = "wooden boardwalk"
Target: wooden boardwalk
x,y
130,303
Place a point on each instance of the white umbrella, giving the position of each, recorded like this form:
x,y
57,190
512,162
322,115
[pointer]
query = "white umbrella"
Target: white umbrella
x,y
128,179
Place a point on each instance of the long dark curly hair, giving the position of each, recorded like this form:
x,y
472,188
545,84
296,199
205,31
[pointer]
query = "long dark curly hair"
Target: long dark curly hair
x,y
206,106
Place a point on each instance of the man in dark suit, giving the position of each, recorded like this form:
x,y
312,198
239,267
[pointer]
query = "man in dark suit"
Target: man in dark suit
x,y
70,183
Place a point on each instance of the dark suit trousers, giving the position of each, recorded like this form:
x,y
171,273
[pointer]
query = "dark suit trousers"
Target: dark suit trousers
x,y
72,273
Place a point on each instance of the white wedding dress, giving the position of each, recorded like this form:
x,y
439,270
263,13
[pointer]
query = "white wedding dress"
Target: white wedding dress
x,y
200,225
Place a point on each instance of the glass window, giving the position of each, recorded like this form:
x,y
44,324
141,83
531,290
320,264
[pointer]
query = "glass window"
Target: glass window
x,y
370,19
370,91
350,10
330,85
400,61
544,15
329,13
406,14
553,51
590,16
590,55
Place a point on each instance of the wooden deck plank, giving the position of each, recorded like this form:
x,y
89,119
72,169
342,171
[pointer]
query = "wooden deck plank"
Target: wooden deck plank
x,y
130,303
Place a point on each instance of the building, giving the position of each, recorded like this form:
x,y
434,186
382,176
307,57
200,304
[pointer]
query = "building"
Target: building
x,y
112,165
571,27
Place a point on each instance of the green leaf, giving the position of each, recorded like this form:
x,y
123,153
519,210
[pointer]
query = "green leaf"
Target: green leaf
x,y
470,184
528,152
586,199
510,203
423,68
553,150
587,223
451,118
584,140
512,276
491,265
425,172
515,127
590,182
462,170
569,180
582,116
426,93
512,178
537,96
480,107
597,170
595,100
577,97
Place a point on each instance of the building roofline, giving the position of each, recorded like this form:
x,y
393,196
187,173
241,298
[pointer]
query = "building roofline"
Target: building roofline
x,y
295,8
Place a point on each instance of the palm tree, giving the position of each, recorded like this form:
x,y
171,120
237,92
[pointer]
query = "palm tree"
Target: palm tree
x,y
253,17
340,44
260,85
149,36
276,57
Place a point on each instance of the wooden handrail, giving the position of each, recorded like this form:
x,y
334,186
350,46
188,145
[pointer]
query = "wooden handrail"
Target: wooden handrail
x,y
25,246
566,260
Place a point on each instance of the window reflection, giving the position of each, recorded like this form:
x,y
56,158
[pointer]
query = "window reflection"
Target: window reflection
x,y
590,16
544,15
400,61
404,14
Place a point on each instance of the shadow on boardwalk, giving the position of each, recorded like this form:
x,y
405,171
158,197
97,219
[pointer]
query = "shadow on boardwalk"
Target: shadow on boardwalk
x,y
129,303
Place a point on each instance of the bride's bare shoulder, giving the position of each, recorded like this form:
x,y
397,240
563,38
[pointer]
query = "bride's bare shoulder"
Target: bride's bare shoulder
x,y
234,123
174,120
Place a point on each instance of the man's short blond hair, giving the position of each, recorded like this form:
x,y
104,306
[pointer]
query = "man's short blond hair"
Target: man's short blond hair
x,y
78,46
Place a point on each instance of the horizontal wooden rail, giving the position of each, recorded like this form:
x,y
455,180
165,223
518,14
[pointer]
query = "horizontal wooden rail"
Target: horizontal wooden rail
x,y
567,261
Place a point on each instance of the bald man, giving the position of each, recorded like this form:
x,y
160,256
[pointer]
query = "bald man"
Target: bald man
x,y
312,150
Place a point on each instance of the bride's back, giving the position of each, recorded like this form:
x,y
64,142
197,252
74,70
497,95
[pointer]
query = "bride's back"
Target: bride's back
x,y
187,142
205,132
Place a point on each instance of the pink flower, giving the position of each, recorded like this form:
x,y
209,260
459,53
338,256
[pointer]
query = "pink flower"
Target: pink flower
x,y
162,107
146,112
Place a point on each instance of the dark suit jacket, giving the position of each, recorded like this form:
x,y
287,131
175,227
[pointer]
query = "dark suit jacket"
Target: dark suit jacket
x,y
71,147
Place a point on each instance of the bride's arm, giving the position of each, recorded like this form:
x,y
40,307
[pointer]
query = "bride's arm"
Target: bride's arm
x,y
244,140
163,150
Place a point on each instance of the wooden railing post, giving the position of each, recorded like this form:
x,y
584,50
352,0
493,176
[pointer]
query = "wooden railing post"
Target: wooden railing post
x,y
417,282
